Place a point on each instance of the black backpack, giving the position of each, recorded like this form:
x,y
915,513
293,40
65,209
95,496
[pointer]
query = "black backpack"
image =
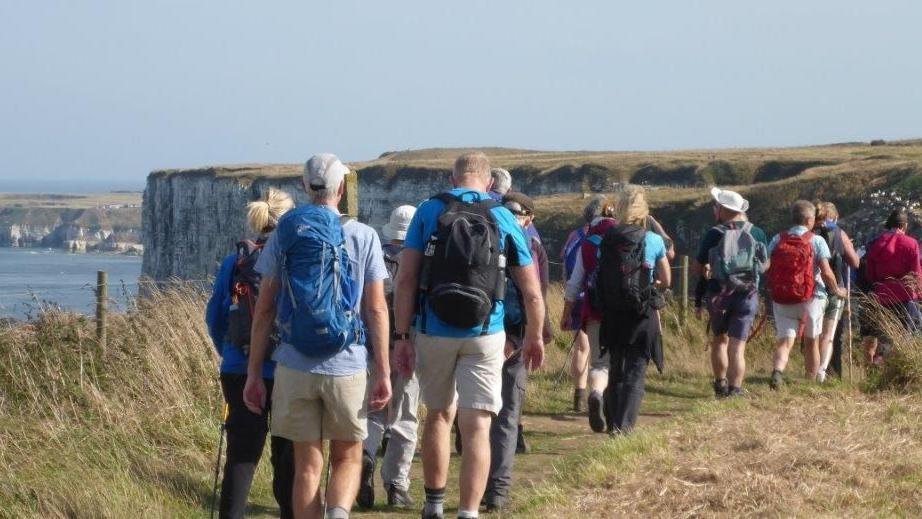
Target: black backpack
x,y
244,291
464,264
623,280
835,262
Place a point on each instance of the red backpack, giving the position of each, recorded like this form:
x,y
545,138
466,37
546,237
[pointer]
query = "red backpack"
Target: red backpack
x,y
790,276
590,253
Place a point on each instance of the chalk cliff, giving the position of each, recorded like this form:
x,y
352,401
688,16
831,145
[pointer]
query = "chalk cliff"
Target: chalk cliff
x,y
192,217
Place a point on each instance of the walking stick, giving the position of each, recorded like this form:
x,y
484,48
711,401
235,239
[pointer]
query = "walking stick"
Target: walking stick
x,y
848,308
217,465
326,486
569,359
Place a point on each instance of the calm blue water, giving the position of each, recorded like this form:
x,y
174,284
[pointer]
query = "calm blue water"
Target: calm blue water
x,y
31,277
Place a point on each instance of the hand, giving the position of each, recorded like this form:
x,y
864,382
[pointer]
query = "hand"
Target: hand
x,y
841,293
380,393
509,349
405,353
699,312
254,394
565,320
533,353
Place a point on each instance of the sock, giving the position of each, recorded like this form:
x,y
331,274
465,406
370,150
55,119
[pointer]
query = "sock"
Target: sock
x,y
337,512
467,514
435,501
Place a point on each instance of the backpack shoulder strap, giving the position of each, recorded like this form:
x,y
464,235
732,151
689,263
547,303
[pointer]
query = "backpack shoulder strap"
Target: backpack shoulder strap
x,y
747,227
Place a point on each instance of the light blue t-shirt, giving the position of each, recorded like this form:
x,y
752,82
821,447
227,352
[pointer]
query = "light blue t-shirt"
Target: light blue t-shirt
x,y
820,253
364,248
654,249
424,225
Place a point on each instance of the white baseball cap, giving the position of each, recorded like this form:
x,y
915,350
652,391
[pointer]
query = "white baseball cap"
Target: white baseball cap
x,y
730,199
396,227
324,171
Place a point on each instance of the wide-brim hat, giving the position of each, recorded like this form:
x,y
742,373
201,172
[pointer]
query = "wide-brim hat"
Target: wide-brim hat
x,y
730,200
399,222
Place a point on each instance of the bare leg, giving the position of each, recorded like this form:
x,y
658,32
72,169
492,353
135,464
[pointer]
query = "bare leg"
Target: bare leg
x,y
736,367
719,360
436,447
782,353
308,467
346,458
475,460
811,356
826,339
579,367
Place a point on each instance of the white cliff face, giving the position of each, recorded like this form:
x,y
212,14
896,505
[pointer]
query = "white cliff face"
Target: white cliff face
x,y
193,218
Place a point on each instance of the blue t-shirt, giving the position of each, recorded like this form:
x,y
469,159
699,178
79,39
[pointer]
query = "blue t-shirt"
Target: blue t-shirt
x,y
364,248
233,361
424,225
654,249
820,253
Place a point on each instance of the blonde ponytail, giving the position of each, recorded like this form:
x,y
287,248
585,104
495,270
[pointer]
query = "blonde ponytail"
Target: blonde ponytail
x,y
632,206
264,214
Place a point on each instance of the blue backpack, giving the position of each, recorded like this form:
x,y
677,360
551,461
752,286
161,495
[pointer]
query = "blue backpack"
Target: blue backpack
x,y
513,313
572,252
316,307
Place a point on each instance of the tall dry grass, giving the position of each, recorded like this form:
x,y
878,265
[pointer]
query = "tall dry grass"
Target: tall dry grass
x,y
124,431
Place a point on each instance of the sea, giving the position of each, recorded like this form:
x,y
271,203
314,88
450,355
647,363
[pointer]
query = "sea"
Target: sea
x,y
31,279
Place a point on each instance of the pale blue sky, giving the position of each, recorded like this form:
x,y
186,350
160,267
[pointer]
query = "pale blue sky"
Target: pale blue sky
x,y
98,93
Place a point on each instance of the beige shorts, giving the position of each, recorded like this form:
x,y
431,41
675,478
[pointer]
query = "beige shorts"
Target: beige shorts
x,y
790,318
597,361
307,407
471,367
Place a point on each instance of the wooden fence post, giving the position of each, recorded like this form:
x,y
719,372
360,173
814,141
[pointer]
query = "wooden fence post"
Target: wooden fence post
x,y
683,290
352,194
102,297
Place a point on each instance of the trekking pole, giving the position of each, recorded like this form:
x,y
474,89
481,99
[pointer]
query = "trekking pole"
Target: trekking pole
x,y
326,486
848,308
568,361
217,465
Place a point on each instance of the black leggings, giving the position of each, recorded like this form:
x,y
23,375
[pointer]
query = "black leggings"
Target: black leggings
x,y
246,436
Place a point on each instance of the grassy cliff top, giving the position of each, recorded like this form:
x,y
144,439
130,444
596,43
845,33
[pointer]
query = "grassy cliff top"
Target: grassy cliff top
x,y
57,201
442,158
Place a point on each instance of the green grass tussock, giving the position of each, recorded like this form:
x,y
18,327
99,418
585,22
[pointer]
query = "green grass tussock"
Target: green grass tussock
x,y
128,430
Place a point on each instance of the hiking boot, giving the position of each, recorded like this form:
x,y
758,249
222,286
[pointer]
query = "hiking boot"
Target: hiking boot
x,y
424,515
493,504
777,380
366,497
721,388
398,497
579,400
520,446
736,391
596,412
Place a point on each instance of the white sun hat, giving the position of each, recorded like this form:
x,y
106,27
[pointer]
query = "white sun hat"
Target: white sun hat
x,y
730,199
396,227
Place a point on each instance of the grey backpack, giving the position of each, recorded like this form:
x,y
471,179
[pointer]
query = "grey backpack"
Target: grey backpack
x,y
738,259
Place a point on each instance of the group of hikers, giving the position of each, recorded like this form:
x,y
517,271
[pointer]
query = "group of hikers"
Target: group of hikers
x,y
331,334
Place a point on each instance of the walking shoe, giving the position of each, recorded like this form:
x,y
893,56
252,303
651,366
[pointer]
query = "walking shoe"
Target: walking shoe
x,y
821,376
424,515
398,497
736,391
777,380
366,497
493,504
721,388
579,400
520,446
596,412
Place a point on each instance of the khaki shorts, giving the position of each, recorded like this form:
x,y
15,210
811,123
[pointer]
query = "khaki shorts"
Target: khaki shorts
x,y
597,361
790,318
307,407
470,367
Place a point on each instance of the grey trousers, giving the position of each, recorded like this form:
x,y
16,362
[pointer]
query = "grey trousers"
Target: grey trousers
x,y
505,428
400,417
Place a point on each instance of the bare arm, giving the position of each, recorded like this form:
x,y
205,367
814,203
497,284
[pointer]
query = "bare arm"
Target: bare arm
x,y
374,313
663,273
829,278
848,251
658,229
405,289
526,280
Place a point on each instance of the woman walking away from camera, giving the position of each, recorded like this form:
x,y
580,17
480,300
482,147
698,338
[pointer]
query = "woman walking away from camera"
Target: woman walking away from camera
x,y
633,272
229,316
580,314
895,276
579,352
843,258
